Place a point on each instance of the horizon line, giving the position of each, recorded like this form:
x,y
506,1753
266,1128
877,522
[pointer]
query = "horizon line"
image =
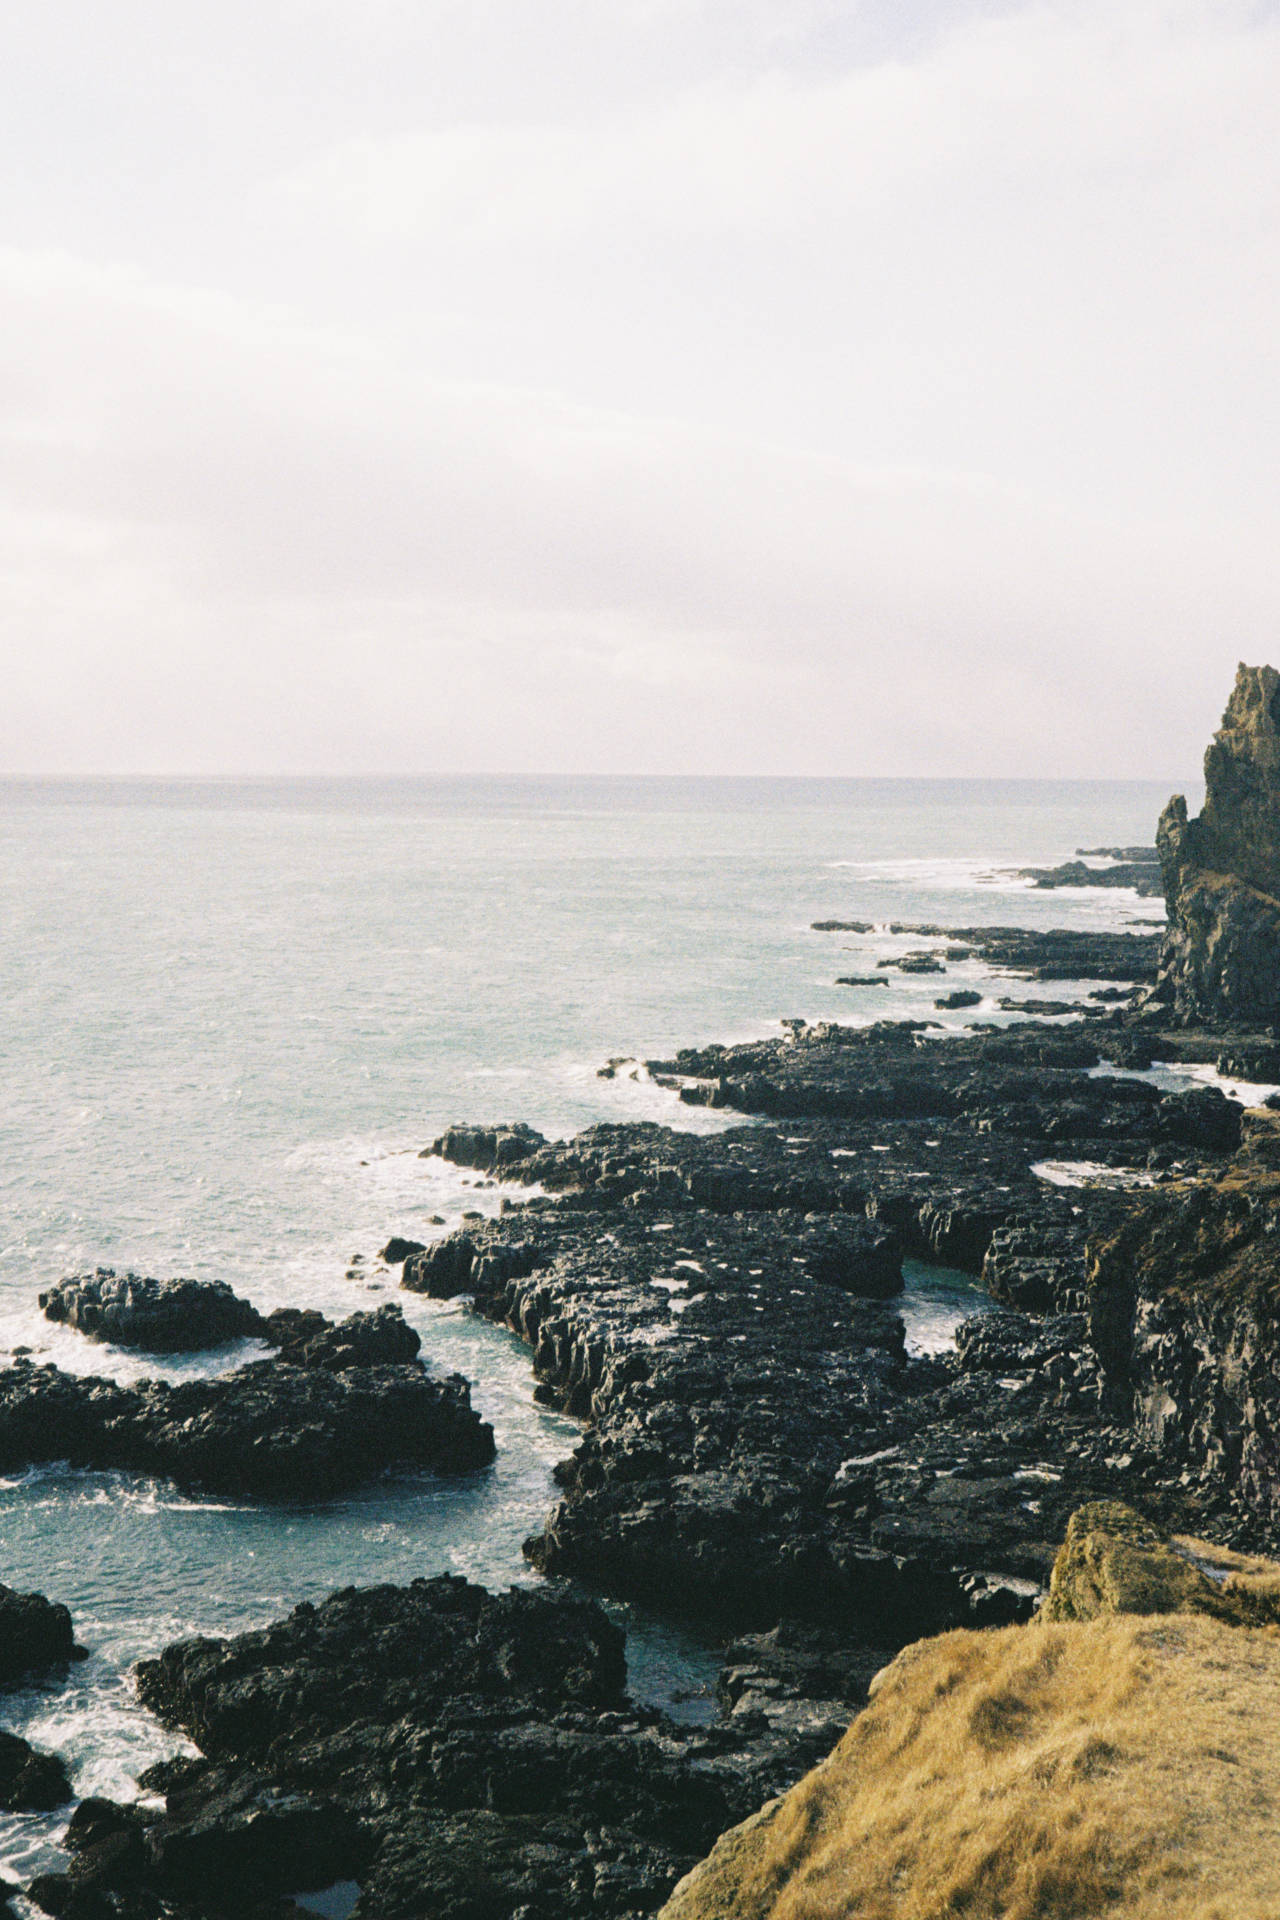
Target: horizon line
x,y
613,776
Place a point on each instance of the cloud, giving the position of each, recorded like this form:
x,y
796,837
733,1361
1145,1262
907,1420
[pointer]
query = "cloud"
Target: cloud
x,y
907,413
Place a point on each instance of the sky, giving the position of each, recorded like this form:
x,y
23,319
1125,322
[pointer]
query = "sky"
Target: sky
x,y
781,386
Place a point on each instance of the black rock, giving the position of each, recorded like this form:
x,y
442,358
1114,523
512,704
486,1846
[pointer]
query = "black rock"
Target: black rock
x,y
915,963
269,1430
304,1338
1142,875
1221,870
1202,1118
488,1149
1256,1060
456,1752
158,1316
397,1250
30,1782
35,1635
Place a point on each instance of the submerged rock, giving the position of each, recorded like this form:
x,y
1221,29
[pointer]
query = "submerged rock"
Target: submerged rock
x,y
1221,957
158,1316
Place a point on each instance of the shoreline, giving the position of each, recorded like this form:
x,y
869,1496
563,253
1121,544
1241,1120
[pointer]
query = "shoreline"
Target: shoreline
x,y
760,1455
792,1191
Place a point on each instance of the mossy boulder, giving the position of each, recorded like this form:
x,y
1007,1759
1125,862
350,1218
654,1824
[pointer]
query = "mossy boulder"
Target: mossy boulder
x,y
1114,1561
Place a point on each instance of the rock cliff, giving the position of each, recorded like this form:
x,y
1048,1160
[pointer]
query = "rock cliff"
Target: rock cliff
x,y
1221,870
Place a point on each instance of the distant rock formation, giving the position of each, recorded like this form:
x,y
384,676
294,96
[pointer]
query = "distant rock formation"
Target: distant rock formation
x,y
1221,956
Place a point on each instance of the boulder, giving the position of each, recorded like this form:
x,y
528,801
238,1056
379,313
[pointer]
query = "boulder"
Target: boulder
x,y
158,1316
1114,1561
30,1782
35,1634
398,1249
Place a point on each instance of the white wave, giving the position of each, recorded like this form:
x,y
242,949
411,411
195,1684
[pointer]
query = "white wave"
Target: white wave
x,y
1090,1173
1177,1076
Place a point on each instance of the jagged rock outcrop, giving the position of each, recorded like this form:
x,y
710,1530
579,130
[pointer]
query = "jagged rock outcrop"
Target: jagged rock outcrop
x,y
340,1405
158,1316
459,1754
1221,958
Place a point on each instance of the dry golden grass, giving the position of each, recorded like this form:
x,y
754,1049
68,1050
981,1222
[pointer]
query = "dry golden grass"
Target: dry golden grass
x,y
1126,1766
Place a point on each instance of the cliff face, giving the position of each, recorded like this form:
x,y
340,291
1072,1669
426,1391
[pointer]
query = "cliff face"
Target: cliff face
x,y
1123,1767
1184,1303
1221,870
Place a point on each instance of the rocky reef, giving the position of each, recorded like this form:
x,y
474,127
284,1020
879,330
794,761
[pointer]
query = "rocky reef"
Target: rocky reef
x,y
456,1753
722,1312
1221,870
158,1316
339,1405
770,1451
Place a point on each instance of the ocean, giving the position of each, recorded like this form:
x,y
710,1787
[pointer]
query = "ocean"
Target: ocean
x,y
236,1011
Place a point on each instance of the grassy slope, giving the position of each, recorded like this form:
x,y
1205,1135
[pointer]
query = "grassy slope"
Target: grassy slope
x,y
1120,1766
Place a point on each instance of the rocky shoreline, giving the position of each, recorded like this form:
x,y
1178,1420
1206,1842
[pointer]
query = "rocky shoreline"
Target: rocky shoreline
x,y
760,1450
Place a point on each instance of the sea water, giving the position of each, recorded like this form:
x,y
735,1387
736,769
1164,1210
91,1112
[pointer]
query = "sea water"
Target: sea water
x,y
234,1013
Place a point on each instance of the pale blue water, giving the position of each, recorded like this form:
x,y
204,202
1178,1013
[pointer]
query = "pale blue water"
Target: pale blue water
x,y
233,1013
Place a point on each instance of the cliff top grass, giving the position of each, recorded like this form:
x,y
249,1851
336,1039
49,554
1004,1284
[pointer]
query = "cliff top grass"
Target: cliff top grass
x,y
1124,1766
1117,1757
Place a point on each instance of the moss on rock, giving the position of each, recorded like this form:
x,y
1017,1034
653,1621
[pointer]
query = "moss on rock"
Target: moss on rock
x,y
1113,1561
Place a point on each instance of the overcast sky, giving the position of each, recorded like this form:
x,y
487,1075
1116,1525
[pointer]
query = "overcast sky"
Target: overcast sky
x,y
831,386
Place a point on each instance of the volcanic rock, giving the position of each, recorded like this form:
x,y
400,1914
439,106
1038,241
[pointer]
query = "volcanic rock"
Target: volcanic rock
x,y
457,1753
1221,957
159,1316
35,1634
268,1430
30,1782
305,1338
